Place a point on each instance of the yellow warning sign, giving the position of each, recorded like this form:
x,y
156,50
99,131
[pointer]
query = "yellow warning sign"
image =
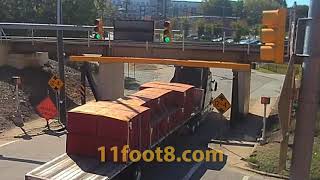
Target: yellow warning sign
x,y
55,83
221,103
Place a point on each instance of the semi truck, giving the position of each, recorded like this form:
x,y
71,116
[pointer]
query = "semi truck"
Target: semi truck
x,y
74,164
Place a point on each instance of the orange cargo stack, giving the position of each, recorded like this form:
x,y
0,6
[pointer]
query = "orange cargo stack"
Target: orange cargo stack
x,y
116,125
182,95
156,100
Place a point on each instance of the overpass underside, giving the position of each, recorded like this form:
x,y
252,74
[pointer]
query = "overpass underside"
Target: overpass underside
x,y
208,52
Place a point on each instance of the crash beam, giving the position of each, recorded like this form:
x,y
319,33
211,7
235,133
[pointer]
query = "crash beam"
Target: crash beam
x,y
187,63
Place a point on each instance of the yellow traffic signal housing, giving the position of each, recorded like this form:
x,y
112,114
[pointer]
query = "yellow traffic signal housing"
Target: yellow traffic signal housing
x,y
273,35
167,35
98,29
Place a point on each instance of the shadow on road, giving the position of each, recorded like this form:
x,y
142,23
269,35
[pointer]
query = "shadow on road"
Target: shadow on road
x,y
30,135
21,160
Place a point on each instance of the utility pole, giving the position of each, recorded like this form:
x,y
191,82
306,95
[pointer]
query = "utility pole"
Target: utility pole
x,y
308,99
60,50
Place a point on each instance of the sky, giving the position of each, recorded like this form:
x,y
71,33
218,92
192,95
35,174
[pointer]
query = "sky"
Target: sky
x,y
299,2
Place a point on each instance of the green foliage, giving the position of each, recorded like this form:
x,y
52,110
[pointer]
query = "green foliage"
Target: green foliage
x,y
200,24
302,11
238,9
241,29
185,26
44,11
254,8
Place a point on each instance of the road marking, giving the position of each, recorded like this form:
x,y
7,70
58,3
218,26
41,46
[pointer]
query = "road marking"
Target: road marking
x,y
192,171
245,177
2,145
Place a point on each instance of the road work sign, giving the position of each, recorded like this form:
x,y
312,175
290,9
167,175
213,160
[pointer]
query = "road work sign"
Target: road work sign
x,y
55,83
221,103
47,109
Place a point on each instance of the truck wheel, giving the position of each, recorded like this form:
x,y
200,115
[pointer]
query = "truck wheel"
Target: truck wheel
x,y
137,174
198,123
193,129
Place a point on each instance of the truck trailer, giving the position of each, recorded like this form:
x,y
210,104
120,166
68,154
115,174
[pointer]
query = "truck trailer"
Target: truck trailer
x,y
141,121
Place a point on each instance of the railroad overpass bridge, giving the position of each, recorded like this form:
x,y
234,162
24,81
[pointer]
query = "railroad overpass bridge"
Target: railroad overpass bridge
x,y
176,50
209,51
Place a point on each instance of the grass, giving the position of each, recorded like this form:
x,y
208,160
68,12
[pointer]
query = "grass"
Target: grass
x,y
315,165
278,69
267,157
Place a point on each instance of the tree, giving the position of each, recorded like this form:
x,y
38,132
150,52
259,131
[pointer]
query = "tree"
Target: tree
x,y
302,11
254,8
217,7
240,29
200,24
185,26
238,9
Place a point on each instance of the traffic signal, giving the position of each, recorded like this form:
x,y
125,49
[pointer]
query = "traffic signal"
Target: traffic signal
x,y
98,29
167,32
273,35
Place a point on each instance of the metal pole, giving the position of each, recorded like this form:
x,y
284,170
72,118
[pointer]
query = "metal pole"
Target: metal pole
x,y
248,50
88,38
183,40
234,101
62,95
83,85
223,41
263,138
32,36
308,99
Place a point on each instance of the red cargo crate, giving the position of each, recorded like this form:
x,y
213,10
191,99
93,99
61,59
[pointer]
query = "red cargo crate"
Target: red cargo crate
x,y
164,126
118,125
88,146
151,98
182,94
144,115
82,145
80,125
177,118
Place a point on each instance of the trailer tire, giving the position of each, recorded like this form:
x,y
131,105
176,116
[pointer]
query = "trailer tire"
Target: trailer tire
x,y
193,129
198,123
137,173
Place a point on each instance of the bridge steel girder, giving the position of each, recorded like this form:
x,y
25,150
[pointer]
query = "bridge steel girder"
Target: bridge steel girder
x,y
187,63
132,49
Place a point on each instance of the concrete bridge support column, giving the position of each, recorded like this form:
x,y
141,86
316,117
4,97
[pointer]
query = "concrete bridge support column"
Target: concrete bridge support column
x,y
244,78
4,49
110,83
240,96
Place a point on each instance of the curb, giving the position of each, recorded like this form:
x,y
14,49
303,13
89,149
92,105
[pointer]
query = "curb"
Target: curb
x,y
262,172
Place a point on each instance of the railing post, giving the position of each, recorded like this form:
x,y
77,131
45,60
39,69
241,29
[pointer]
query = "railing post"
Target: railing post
x,y
88,38
183,40
223,41
32,35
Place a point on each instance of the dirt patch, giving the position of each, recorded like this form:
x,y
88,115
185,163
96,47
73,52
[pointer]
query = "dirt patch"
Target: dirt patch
x,y
34,88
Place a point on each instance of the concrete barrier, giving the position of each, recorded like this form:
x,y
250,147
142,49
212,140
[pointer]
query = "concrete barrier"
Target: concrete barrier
x,y
21,61
3,54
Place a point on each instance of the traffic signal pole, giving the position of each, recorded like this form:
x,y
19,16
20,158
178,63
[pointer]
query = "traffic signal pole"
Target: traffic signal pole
x,y
308,99
60,56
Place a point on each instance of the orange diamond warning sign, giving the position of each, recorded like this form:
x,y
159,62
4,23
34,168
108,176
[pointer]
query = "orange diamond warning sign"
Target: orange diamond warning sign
x,y
47,109
221,103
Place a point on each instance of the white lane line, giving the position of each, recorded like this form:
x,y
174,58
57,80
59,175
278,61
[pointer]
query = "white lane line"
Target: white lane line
x,y
245,177
192,171
2,145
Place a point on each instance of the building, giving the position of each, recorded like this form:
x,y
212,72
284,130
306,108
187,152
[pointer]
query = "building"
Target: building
x,y
184,8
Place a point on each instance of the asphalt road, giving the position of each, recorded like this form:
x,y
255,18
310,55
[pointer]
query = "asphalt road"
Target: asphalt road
x,y
19,156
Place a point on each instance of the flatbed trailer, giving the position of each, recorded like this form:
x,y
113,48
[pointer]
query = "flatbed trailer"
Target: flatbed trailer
x,y
75,167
